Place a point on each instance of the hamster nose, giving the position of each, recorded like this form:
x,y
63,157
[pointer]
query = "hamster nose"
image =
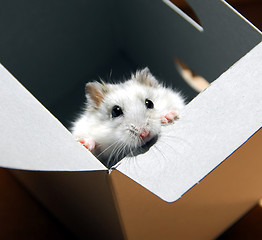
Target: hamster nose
x,y
144,134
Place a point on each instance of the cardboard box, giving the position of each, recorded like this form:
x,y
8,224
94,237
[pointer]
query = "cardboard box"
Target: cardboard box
x,y
52,48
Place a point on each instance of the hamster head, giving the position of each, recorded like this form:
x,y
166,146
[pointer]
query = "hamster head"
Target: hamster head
x,y
125,113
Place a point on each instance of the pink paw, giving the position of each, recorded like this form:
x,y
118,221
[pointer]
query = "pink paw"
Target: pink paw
x,y
170,117
88,143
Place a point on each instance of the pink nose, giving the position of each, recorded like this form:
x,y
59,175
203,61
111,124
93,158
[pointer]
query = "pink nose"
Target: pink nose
x,y
144,134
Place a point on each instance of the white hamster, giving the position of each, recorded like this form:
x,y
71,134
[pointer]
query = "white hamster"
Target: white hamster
x,y
121,118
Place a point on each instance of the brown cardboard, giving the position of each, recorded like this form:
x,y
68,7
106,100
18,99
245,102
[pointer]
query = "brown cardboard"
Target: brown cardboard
x,y
83,201
21,217
205,211
119,208
248,227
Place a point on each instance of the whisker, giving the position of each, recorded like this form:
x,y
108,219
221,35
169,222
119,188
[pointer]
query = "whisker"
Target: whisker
x,y
114,153
107,148
163,136
172,148
159,151
121,151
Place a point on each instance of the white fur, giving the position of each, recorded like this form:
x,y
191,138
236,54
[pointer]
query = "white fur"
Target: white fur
x,y
113,136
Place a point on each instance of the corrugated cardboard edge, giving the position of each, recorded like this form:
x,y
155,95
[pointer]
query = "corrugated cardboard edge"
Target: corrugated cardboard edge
x,y
205,211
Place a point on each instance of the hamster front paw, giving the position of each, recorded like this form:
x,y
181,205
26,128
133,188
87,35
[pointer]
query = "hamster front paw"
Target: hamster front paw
x,y
170,117
88,143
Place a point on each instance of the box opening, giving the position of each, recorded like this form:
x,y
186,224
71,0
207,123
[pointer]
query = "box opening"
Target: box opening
x,y
54,49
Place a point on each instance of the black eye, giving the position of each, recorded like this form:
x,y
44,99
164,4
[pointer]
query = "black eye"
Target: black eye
x,y
149,104
116,111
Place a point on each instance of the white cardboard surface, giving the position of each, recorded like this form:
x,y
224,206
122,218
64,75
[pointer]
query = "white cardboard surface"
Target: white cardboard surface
x,y
212,126
31,138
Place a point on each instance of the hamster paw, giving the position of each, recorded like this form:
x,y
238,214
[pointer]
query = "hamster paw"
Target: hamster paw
x,y
88,143
170,117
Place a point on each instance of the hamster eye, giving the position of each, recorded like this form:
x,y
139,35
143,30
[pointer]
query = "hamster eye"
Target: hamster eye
x,y
149,104
116,111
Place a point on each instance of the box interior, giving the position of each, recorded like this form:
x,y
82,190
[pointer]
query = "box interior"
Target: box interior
x,y
54,48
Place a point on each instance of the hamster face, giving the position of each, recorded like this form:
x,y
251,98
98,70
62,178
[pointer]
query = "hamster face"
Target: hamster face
x,y
129,114
121,118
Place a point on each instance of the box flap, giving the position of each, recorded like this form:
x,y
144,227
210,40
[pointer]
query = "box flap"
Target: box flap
x,y
31,138
212,126
208,209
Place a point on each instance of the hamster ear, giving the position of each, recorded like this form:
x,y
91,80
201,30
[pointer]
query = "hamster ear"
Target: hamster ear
x,y
95,92
145,77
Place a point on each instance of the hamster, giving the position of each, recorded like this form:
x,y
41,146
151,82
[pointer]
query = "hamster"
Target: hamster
x,y
120,118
